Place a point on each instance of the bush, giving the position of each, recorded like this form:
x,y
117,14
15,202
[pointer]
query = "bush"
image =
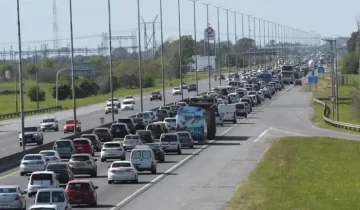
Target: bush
x,y
32,94
9,92
79,93
63,93
87,86
350,63
148,81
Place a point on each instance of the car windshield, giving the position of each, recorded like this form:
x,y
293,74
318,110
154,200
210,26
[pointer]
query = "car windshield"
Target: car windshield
x,y
119,165
144,133
127,102
170,120
184,134
7,190
240,106
143,115
115,99
101,131
63,143
129,97
125,120
47,153
138,120
71,121
57,166
33,157
79,186
30,129
56,197
78,141
112,145
131,137
109,105
80,158
50,120
176,88
118,128
155,93
169,138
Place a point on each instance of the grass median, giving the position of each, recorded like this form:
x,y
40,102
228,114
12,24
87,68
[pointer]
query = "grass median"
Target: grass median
x,y
303,173
7,104
346,110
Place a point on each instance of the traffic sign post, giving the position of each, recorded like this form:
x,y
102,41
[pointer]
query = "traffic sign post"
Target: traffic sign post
x,y
84,69
209,33
332,99
313,80
321,70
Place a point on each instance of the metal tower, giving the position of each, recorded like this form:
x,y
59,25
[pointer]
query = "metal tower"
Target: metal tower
x,y
55,26
149,40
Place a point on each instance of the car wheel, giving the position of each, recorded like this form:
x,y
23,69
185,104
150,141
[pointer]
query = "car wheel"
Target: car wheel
x,y
153,171
162,160
179,151
150,99
94,204
192,146
56,129
222,124
123,157
20,144
94,173
245,115
136,180
110,182
22,174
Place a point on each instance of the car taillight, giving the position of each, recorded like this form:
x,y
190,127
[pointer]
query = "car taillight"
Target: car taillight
x,y
124,142
112,170
17,197
54,158
88,162
70,162
130,170
40,162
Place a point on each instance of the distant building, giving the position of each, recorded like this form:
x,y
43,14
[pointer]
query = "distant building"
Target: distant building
x,y
202,62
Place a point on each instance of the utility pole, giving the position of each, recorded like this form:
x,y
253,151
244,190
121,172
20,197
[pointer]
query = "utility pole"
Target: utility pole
x,y
331,41
236,44
337,84
243,36
249,56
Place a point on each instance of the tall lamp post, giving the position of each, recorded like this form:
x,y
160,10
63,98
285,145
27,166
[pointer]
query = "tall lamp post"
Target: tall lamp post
x,y
162,54
21,78
72,67
219,44
111,63
228,40
140,56
195,49
208,42
180,51
236,44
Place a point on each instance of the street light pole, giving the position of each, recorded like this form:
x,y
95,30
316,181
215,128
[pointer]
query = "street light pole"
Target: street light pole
x,y
254,21
208,43
57,86
111,63
21,79
236,44
162,55
249,56
180,51
72,68
243,36
228,40
260,57
219,44
140,57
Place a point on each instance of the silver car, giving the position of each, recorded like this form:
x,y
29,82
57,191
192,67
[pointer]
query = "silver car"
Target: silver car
x,y
12,197
31,163
83,164
131,141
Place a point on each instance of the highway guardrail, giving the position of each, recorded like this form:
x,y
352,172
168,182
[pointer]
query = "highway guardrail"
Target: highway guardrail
x,y
30,112
13,161
326,114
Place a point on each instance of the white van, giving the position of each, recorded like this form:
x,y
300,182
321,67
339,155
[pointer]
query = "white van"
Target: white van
x,y
227,112
56,197
40,180
234,97
42,207
171,142
143,158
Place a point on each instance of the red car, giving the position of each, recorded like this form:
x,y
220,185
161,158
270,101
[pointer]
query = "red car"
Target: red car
x,y
82,192
69,126
298,82
83,145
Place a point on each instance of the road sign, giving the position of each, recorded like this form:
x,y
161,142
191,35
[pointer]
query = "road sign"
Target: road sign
x,y
209,33
332,99
321,70
312,79
84,69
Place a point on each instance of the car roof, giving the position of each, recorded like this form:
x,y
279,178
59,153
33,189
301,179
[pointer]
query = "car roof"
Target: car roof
x,y
80,139
121,161
64,140
80,181
43,206
51,190
169,134
49,150
101,128
81,154
42,172
9,186
32,155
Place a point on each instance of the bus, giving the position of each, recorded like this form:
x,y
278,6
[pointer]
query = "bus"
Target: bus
x,y
288,76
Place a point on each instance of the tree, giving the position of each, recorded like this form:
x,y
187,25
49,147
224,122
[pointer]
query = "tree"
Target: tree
x,y
32,94
4,68
64,92
350,63
31,69
352,42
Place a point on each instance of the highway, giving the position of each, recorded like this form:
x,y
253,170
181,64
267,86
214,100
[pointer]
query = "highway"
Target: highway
x,y
88,116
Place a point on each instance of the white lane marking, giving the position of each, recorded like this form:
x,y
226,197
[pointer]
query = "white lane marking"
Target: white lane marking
x,y
261,135
192,155
288,132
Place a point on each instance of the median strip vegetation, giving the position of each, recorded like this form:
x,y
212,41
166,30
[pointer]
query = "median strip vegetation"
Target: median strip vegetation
x,y
303,173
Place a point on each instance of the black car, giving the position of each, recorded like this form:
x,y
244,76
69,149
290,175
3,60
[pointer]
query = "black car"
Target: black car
x,y
158,151
146,136
95,140
62,171
103,134
119,130
130,124
156,95
192,87
139,123
156,129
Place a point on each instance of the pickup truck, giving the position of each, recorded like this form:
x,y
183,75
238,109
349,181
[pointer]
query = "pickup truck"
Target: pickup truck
x,y
32,134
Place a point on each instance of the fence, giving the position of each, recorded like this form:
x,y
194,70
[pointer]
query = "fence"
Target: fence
x,y
30,112
326,114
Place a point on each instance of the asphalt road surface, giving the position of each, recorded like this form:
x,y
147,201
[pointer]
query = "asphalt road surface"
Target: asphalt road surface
x,y
88,116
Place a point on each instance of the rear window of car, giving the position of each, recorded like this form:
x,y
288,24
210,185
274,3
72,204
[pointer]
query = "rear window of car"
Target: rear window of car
x,y
63,143
146,154
169,138
144,133
138,120
7,190
42,176
91,137
101,131
118,165
56,197
32,157
80,158
125,120
184,134
57,166
240,106
132,137
81,142
112,145
46,153
136,154
79,186
118,128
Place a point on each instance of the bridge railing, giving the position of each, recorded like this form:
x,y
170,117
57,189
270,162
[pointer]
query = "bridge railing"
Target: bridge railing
x,y
326,113
29,112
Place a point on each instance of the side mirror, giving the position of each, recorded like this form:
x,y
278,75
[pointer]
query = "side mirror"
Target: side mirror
x,y
96,187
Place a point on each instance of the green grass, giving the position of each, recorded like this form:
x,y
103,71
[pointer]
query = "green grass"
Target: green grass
x,y
7,104
303,173
346,112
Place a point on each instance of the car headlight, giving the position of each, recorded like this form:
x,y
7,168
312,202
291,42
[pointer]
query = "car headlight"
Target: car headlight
x,y
35,134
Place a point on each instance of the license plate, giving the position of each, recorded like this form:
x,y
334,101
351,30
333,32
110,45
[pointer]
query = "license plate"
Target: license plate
x,y
78,200
80,164
120,172
80,148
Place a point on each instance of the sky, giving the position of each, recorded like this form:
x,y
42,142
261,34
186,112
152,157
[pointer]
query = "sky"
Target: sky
x,y
90,19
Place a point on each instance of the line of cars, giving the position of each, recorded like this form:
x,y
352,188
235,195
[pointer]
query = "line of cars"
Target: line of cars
x,y
149,136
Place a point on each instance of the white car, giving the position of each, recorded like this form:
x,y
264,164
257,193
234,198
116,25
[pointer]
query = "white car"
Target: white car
x,y
31,163
120,171
41,180
260,93
51,156
143,159
115,101
154,118
176,91
50,123
219,120
112,150
109,110
131,141
147,117
171,122
129,98
127,105
171,142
